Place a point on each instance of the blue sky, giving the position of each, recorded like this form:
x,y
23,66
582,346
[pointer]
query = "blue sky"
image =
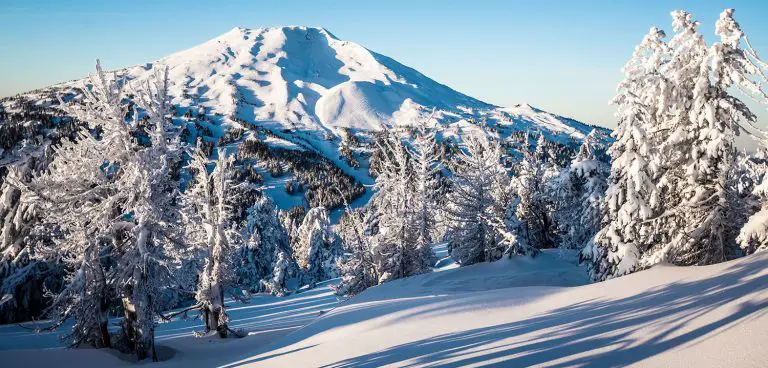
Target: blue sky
x,y
562,56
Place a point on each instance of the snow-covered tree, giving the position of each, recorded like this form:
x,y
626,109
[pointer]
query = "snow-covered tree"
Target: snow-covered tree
x,y
266,261
210,227
533,209
715,116
358,267
478,203
317,247
685,205
426,163
687,51
395,204
749,189
578,191
110,196
21,275
734,66
291,220
631,193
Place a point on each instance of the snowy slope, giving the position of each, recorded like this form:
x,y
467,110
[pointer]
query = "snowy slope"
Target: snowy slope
x,y
667,316
306,79
519,312
266,318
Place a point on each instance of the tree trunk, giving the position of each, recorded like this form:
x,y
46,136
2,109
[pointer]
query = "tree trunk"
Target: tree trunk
x,y
144,326
213,315
103,312
129,323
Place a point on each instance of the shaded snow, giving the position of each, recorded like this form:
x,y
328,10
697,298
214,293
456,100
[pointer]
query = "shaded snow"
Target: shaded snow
x,y
266,318
518,312
667,316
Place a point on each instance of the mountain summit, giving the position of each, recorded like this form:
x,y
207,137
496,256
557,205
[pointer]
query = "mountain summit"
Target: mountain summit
x,y
307,79
304,99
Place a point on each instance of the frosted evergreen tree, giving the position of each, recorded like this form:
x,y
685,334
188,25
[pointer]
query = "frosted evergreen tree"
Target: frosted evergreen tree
x,y
631,194
266,253
681,70
715,116
317,247
426,158
21,275
151,214
533,210
721,116
395,204
108,195
748,185
358,267
210,227
477,205
579,191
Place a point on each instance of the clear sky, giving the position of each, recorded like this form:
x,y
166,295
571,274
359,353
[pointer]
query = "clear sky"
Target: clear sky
x,y
562,56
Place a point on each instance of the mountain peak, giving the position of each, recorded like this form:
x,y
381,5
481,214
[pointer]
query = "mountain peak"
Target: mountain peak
x,y
306,79
281,29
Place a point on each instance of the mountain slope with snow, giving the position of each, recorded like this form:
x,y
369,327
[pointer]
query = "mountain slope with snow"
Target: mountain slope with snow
x,y
307,79
317,93
314,92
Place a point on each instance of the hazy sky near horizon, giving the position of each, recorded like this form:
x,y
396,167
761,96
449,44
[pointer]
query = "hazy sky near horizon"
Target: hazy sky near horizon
x,y
562,56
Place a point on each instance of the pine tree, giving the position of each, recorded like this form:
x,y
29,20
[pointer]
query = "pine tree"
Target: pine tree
x,y
681,69
631,194
266,261
427,167
533,210
317,248
398,253
477,205
109,195
714,115
210,227
358,267
21,275
579,190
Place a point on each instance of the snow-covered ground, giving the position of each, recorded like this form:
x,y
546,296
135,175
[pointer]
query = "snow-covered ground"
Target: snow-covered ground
x,y
518,312
522,313
265,318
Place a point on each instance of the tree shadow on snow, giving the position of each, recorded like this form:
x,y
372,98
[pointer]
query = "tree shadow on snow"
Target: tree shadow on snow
x,y
603,330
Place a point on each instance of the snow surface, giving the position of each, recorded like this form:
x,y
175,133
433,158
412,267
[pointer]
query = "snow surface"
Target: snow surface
x,y
518,312
667,316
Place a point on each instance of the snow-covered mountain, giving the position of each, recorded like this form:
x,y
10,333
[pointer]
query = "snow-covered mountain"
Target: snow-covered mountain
x,y
306,78
303,88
